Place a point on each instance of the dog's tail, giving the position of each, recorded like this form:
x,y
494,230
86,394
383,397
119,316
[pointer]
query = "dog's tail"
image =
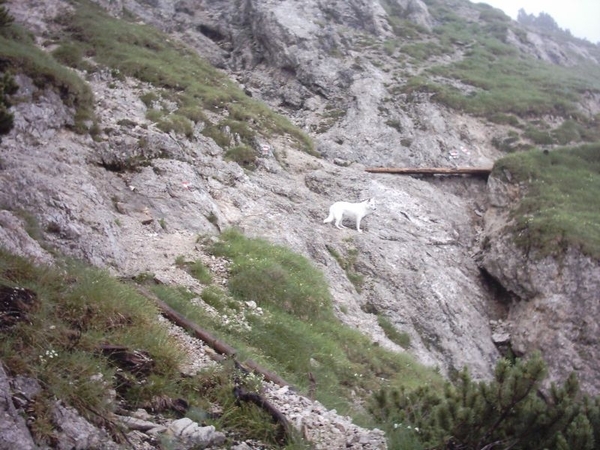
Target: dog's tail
x,y
329,218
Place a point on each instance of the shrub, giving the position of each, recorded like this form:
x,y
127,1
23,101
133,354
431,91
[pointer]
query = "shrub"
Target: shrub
x,y
8,87
505,412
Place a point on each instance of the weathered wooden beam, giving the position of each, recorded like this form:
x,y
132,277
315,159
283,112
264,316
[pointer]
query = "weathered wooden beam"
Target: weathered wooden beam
x,y
208,338
477,171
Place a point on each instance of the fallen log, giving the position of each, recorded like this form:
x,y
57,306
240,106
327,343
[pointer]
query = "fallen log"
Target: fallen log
x,y
217,345
476,171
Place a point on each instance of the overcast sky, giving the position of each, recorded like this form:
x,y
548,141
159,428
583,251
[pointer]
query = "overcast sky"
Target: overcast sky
x,y
581,17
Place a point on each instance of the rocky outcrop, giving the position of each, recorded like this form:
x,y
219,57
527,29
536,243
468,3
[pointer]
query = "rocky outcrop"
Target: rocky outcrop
x,y
13,429
555,299
415,255
547,50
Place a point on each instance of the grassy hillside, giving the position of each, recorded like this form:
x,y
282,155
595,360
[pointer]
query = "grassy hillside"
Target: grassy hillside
x,y
78,310
561,205
490,78
180,76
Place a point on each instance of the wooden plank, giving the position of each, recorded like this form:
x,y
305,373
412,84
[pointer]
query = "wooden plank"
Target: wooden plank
x,y
478,171
213,342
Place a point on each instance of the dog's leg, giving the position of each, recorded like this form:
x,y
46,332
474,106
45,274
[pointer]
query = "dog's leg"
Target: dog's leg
x,y
358,219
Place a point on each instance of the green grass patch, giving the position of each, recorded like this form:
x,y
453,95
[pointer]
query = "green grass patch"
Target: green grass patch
x,y
273,276
298,333
18,54
176,123
243,155
503,82
78,309
561,205
402,339
348,263
197,269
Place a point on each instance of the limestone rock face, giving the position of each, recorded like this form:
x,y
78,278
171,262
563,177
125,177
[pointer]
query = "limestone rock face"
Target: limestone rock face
x,y
313,62
13,429
556,300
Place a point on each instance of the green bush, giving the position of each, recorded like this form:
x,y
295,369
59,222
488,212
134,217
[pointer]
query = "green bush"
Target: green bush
x,y
506,412
8,87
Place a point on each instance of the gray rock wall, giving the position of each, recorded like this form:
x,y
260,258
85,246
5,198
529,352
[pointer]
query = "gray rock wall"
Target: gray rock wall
x,y
556,300
314,65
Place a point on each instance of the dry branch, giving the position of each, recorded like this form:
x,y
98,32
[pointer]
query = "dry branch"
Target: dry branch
x,y
252,397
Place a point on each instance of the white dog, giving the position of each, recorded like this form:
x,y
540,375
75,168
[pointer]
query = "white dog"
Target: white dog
x,y
356,210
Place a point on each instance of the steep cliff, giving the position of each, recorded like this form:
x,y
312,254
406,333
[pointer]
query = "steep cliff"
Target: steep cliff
x,y
553,277
363,79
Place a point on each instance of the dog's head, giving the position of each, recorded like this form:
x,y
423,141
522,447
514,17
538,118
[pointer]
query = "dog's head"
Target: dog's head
x,y
371,204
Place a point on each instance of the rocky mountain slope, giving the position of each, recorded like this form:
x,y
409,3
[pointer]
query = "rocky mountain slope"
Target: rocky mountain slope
x,y
335,69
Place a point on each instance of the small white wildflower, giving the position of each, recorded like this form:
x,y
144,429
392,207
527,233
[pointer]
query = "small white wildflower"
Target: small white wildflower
x,y
51,353
97,377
